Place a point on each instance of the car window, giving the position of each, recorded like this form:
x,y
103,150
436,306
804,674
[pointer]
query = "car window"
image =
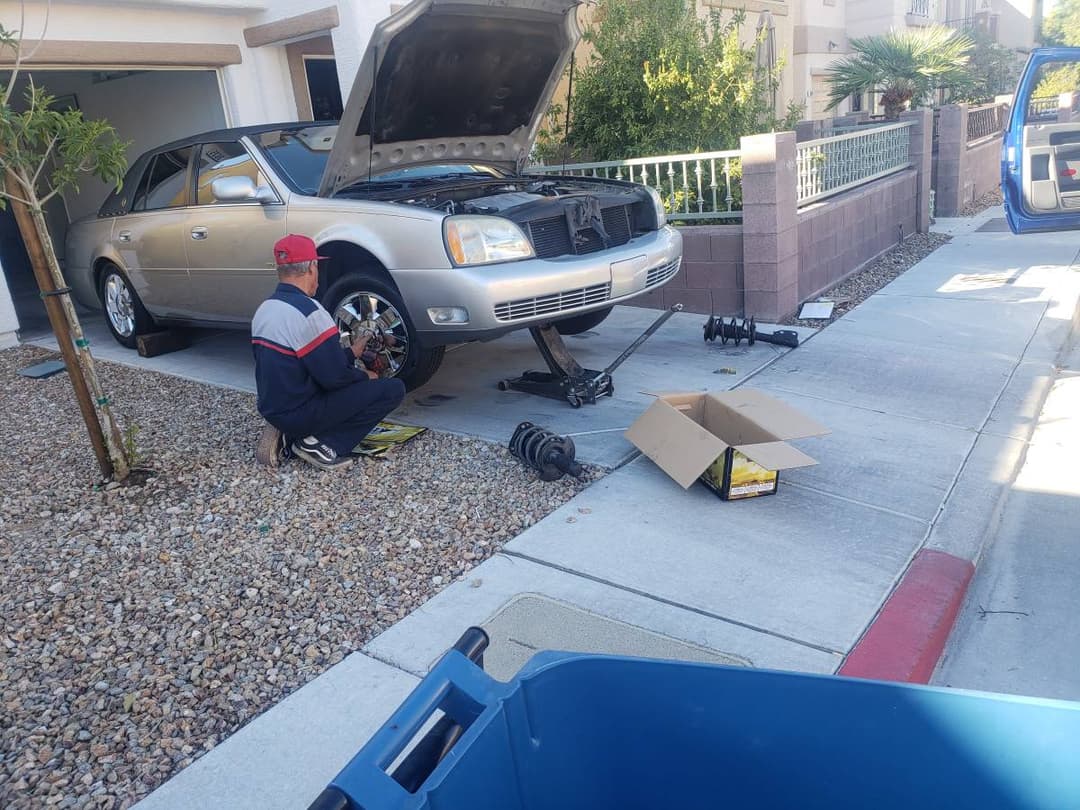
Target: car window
x,y
165,183
228,159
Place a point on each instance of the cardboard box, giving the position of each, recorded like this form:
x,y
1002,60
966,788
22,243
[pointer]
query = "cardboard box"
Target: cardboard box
x,y
734,441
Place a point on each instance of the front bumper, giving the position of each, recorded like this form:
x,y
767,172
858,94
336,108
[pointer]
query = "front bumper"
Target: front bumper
x,y
501,298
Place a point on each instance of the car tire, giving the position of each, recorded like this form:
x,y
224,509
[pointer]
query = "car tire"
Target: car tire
x,y
420,362
125,314
582,323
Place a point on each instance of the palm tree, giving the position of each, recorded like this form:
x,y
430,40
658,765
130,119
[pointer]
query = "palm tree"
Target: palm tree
x,y
906,67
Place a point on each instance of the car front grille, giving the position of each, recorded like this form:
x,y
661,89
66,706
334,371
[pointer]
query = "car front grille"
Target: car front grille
x,y
658,275
551,236
552,304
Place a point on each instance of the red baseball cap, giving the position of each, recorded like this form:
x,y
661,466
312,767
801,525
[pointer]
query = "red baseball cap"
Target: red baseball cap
x,y
293,249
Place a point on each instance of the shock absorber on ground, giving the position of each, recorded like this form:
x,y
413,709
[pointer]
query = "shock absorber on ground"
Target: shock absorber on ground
x,y
549,454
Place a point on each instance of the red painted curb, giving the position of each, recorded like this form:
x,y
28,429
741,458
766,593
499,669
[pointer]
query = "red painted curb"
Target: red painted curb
x,y
908,636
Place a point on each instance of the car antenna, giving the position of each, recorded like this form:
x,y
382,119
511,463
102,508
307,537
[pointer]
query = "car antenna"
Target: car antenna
x,y
374,102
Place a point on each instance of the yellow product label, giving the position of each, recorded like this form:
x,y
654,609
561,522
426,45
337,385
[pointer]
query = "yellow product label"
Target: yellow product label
x,y
749,479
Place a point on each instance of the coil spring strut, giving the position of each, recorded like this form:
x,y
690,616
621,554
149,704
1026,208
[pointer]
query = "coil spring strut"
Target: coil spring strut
x,y
550,454
716,328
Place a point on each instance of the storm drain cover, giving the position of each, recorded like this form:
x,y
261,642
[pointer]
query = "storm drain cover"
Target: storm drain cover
x,y
530,624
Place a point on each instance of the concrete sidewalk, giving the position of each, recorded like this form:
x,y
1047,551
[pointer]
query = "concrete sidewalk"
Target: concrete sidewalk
x,y
931,387
1017,633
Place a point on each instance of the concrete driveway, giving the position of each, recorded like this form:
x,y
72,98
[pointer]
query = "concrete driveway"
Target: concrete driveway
x,y
463,397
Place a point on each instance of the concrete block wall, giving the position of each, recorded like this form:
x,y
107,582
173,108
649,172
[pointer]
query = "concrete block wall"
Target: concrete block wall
x,y
842,233
711,277
963,172
783,255
983,172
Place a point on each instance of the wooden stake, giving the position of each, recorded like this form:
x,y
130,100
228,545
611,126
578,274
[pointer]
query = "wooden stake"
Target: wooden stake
x,y
58,321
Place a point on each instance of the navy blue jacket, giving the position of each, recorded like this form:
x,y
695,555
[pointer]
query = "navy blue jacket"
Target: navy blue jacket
x,y
298,355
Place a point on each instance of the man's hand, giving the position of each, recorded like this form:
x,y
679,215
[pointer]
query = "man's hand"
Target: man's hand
x,y
359,345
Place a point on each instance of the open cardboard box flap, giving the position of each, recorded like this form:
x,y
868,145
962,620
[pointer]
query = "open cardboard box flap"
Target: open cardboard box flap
x,y
674,441
684,433
778,418
775,455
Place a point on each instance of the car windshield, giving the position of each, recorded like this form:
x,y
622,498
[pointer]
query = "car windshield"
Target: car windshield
x,y
299,156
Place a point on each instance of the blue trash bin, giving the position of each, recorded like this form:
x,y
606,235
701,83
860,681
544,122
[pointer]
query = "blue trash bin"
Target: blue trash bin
x,y
577,731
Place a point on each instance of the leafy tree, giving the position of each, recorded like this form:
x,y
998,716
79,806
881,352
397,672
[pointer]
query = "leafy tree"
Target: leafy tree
x,y
905,67
44,152
661,80
1062,25
993,70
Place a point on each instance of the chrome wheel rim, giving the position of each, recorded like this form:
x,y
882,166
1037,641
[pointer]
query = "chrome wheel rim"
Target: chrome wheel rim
x,y
362,313
119,306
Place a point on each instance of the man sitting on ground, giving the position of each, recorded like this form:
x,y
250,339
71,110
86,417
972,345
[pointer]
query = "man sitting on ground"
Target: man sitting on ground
x,y
318,403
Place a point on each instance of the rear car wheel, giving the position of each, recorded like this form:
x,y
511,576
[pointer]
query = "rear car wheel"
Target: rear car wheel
x,y
364,303
582,323
125,314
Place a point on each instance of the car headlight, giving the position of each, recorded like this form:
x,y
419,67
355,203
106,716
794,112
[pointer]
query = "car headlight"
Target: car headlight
x,y
658,204
483,240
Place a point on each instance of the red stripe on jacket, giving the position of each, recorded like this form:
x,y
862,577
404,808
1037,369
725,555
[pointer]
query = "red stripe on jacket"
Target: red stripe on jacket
x,y
268,345
317,342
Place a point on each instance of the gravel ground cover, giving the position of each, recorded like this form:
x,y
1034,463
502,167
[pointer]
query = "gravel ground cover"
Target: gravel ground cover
x,y
140,626
987,200
851,292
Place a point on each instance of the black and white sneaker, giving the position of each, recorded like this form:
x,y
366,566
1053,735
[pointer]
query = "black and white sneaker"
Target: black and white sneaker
x,y
271,449
318,454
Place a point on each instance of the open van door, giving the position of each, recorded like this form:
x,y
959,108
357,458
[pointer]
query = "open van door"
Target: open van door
x,y
1040,159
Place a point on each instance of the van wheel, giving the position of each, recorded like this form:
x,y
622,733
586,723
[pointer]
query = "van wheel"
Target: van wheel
x,y
125,314
582,323
364,303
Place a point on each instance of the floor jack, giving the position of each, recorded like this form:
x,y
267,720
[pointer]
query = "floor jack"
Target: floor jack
x,y
567,379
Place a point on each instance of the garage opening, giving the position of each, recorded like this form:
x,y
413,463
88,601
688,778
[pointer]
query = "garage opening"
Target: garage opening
x,y
147,107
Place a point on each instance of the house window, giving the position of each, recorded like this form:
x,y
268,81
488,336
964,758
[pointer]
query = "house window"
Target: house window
x,y
324,90
856,102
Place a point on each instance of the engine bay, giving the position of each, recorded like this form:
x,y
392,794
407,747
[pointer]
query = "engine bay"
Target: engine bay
x,y
472,194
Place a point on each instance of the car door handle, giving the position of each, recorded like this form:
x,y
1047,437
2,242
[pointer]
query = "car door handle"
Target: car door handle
x,y
124,236
199,233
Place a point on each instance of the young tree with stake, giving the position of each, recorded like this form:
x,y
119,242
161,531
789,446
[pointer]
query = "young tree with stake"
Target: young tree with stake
x,y
44,152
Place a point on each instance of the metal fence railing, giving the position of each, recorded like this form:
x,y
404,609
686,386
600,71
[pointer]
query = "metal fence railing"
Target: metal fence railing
x,y
706,185
920,8
829,166
985,122
1042,108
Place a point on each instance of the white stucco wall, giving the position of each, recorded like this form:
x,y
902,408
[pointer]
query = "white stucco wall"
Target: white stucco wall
x,y
257,90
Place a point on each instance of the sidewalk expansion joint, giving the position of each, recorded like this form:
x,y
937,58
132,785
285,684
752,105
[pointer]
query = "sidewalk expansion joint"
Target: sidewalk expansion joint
x,y
856,502
671,602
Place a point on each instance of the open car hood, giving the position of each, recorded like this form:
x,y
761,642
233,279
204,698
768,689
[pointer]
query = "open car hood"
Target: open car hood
x,y
447,81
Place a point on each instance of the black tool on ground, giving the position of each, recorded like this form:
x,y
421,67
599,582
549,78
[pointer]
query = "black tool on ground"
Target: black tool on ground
x,y
430,749
567,379
550,454
748,331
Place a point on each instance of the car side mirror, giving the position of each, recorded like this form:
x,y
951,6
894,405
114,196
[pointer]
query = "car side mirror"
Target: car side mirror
x,y
233,189
241,189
